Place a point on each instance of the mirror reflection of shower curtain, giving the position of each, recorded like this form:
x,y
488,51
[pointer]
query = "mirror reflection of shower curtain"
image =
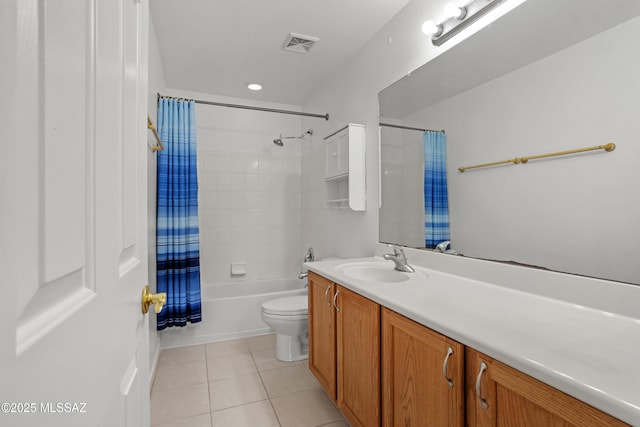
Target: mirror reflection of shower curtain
x,y
436,197
178,234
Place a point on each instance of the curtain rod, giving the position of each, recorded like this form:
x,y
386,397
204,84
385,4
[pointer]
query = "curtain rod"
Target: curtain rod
x,y
389,125
250,107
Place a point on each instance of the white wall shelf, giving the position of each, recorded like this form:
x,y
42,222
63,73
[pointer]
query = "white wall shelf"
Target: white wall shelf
x,y
345,168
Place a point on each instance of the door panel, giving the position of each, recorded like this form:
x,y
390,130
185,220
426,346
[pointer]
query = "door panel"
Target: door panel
x,y
130,124
322,344
62,256
358,344
77,200
415,389
513,398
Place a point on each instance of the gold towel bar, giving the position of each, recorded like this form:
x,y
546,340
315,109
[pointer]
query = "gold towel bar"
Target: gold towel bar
x,y
158,146
607,147
483,165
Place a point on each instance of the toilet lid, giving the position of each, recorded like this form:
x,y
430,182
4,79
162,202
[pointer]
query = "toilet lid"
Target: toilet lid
x,y
286,306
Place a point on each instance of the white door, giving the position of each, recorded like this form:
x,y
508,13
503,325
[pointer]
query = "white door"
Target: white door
x,y
74,348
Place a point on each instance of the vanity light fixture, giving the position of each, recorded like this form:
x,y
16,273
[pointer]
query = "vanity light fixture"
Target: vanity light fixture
x,y
430,28
254,86
453,11
457,19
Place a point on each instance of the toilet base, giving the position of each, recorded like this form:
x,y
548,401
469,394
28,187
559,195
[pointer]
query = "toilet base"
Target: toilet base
x,y
292,348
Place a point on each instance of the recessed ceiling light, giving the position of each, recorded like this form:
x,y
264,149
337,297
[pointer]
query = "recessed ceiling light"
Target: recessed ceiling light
x,y
254,86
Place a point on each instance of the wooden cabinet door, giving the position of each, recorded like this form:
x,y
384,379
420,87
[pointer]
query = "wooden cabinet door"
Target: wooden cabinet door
x,y
422,375
322,343
510,398
358,343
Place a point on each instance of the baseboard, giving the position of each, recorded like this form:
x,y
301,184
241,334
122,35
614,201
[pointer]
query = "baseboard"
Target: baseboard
x,y
154,367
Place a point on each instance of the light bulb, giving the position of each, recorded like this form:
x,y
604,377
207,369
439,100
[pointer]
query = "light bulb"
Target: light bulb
x,y
254,86
431,28
453,11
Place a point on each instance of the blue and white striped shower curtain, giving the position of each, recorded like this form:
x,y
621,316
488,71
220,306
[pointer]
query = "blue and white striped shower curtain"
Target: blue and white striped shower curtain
x,y
178,234
436,198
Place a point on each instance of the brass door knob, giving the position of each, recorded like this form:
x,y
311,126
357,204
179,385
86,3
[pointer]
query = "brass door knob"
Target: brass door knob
x,y
158,300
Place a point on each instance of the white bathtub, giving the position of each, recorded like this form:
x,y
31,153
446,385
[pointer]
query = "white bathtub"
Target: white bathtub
x,y
231,310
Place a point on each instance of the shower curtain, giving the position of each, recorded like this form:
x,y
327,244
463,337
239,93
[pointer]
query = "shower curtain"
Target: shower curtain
x,y
178,235
436,198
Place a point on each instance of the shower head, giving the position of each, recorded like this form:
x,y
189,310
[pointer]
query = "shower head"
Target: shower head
x,y
279,142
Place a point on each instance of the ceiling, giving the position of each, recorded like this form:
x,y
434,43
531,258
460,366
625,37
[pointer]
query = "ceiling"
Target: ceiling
x,y
217,47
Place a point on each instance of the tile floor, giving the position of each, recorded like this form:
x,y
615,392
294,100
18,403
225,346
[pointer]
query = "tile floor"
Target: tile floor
x,y
237,383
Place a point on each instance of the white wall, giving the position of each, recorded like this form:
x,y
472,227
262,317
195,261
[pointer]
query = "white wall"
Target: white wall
x,y
249,190
351,95
573,214
155,83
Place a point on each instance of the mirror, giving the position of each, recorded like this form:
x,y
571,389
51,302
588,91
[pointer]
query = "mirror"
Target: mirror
x,y
548,76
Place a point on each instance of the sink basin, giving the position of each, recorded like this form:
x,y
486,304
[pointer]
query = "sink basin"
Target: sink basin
x,y
374,272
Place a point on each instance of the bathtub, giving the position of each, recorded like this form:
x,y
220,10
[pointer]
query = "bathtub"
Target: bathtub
x,y
232,310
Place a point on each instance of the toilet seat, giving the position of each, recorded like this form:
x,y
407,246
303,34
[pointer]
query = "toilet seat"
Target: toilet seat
x,y
288,306
284,317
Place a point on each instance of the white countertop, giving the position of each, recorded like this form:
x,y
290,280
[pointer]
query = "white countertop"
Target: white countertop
x,y
588,353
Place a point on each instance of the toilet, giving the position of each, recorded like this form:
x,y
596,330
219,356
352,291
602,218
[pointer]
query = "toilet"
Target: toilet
x,y
288,318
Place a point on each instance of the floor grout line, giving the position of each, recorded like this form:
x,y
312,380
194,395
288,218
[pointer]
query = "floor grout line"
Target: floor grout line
x,y
265,389
206,364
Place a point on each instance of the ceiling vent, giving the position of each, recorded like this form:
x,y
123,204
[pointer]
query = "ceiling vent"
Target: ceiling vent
x,y
299,43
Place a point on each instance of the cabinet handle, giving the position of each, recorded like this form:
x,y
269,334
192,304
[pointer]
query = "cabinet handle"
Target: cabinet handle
x,y
326,295
335,297
483,403
444,367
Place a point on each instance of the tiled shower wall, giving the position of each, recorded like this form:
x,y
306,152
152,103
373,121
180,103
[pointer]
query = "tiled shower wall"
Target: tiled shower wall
x,y
402,208
314,212
249,190
249,207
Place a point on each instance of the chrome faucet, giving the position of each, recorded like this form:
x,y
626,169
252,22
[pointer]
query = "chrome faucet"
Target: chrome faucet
x,y
399,258
443,246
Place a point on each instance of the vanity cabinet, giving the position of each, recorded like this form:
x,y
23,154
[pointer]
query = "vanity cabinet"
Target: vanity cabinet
x,y
498,395
345,168
344,349
382,368
422,375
